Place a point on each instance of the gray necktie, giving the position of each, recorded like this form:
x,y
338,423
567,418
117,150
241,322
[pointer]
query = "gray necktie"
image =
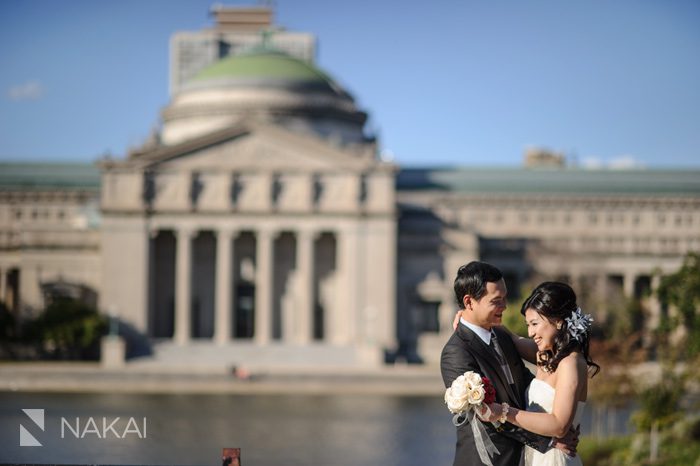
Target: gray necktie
x,y
493,344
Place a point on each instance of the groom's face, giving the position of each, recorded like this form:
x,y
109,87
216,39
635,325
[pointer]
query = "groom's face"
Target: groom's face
x,y
488,311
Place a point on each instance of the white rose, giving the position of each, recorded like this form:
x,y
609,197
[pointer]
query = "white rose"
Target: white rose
x,y
456,404
456,396
476,395
473,379
459,390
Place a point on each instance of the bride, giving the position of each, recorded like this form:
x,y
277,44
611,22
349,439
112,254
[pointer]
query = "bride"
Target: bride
x,y
559,337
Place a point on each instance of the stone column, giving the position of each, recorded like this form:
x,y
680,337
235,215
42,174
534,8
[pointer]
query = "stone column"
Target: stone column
x,y
628,284
11,298
305,272
224,286
654,307
183,284
3,285
263,286
151,290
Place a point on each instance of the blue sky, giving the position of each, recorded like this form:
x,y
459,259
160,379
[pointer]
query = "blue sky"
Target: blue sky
x,y
446,82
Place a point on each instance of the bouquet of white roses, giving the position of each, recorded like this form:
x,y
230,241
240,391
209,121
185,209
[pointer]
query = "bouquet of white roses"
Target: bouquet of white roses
x,y
469,391
467,397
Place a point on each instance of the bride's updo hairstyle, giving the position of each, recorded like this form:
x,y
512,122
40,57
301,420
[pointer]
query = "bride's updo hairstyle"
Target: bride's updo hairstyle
x,y
556,302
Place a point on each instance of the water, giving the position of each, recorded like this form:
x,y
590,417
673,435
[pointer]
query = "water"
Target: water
x,y
270,430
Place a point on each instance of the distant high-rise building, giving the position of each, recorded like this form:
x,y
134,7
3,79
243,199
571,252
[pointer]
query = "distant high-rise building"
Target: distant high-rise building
x,y
236,31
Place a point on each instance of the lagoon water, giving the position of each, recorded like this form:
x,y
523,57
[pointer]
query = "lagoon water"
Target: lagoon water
x,y
270,430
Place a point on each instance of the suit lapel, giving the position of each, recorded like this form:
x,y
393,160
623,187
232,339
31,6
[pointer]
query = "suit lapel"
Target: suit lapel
x,y
479,348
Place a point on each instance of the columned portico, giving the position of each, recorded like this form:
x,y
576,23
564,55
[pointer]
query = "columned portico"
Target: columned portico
x,y
296,299
239,280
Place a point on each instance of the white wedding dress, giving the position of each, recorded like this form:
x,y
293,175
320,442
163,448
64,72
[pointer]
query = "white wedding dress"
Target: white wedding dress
x,y
540,398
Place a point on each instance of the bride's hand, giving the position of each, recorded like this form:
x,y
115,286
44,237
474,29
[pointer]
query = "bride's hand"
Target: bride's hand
x,y
455,322
495,410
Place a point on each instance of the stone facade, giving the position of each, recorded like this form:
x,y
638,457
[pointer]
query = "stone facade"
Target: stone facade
x,y
253,237
610,233
49,234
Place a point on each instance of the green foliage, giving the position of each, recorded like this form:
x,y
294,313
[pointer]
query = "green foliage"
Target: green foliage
x,y
658,403
690,429
682,291
621,336
512,318
7,324
8,333
598,452
628,320
676,448
515,321
67,329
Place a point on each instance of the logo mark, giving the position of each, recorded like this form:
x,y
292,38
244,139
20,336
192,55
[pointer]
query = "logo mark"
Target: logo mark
x,y
25,438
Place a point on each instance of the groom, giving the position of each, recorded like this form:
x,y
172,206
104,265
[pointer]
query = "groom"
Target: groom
x,y
477,346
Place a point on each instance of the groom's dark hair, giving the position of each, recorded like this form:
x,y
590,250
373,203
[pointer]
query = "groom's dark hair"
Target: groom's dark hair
x,y
472,279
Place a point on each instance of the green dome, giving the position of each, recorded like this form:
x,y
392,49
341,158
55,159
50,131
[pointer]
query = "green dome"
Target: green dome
x,y
265,67
265,85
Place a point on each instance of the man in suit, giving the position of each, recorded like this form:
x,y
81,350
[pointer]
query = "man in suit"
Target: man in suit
x,y
478,346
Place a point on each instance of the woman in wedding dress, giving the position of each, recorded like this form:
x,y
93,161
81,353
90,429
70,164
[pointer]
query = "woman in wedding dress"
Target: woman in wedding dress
x,y
559,337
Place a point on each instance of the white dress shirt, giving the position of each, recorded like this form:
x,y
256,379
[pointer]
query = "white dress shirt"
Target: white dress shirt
x,y
481,332
485,336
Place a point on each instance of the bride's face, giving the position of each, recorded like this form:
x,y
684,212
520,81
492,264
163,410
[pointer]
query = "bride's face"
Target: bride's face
x,y
541,330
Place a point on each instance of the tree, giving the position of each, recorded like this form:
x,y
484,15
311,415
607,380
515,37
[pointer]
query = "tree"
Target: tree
x,y
681,290
67,329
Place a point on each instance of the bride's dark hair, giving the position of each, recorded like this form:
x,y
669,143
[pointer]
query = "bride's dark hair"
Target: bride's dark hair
x,y
556,301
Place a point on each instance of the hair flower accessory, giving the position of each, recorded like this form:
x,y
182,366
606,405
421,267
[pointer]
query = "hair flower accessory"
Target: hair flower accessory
x,y
578,324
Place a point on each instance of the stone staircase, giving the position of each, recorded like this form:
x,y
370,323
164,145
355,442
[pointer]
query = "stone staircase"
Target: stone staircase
x,y
208,357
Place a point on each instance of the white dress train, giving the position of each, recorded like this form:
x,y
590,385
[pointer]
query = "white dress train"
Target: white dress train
x,y
540,398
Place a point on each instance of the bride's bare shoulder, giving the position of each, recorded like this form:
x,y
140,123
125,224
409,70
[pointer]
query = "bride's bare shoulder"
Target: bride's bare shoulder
x,y
574,361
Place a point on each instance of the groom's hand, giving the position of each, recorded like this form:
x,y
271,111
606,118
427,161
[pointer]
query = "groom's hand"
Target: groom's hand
x,y
569,442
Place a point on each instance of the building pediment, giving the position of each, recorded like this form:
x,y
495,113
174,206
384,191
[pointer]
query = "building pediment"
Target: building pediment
x,y
254,147
256,169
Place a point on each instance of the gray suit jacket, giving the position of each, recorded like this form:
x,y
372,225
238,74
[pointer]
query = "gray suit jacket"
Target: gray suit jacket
x,y
465,351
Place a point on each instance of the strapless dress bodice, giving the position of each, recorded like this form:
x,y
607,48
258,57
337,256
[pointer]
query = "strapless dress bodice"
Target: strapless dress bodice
x,y
540,399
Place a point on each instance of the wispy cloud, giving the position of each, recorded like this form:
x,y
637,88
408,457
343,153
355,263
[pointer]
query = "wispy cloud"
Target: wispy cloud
x,y
626,162
30,90
592,163
623,162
